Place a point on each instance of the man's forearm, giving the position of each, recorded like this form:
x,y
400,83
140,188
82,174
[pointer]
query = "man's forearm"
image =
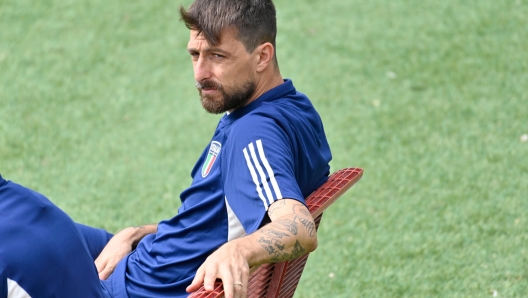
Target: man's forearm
x,y
285,238
138,233
290,234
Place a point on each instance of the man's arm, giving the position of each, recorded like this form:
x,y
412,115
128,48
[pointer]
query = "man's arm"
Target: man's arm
x,y
119,246
290,234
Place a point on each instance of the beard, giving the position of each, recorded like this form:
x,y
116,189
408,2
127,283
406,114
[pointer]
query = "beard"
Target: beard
x,y
232,99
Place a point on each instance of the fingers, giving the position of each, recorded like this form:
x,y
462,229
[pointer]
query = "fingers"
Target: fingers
x,y
245,283
236,289
103,275
104,268
227,264
228,287
235,281
100,265
115,250
197,281
209,280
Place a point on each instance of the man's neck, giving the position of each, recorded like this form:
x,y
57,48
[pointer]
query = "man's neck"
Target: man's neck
x,y
265,84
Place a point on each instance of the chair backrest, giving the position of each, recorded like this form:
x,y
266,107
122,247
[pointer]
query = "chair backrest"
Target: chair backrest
x,y
280,280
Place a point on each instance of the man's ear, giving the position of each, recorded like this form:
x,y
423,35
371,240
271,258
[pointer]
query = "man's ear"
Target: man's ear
x,y
265,54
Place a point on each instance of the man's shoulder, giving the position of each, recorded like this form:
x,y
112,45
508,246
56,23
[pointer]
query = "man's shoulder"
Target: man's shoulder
x,y
258,123
282,108
288,112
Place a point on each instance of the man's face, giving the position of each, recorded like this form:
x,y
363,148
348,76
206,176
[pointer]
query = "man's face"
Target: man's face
x,y
224,74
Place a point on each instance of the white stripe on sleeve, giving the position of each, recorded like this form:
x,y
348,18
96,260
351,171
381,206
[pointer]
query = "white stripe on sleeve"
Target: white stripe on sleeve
x,y
255,179
276,188
263,177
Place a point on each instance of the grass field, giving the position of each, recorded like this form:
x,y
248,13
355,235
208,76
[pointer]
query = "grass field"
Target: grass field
x,y
99,112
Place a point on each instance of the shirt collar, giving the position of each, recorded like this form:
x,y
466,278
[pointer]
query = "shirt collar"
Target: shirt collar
x,y
272,94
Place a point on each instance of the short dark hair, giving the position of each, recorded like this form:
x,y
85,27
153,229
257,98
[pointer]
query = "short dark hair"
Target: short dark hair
x,y
253,21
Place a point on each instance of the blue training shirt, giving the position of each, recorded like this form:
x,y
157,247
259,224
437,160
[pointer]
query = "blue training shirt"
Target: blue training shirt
x,y
271,149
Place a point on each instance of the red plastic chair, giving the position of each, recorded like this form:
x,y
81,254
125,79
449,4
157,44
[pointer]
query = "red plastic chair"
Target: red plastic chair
x,y
279,280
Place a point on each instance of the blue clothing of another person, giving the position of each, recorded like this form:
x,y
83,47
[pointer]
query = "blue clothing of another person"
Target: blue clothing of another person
x,y
42,253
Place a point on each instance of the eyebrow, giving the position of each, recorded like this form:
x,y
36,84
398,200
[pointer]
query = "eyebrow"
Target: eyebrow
x,y
209,50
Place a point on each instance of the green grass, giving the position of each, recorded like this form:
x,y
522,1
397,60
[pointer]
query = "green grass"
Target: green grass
x,y
98,111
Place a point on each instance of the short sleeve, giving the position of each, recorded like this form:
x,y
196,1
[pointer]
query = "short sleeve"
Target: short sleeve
x,y
258,170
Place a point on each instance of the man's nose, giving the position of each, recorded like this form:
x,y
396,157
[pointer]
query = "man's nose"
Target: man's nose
x,y
202,70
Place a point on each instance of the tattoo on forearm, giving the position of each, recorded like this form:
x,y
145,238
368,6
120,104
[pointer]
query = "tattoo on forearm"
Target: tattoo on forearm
x,y
272,237
271,242
277,205
298,250
274,234
301,209
266,244
308,224
279,256
289,225
271,245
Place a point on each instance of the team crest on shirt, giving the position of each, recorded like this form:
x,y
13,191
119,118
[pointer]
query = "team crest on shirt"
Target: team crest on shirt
x,y
214,150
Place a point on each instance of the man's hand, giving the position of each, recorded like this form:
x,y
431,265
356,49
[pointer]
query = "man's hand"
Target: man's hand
x,y
228,264
290,234
118,247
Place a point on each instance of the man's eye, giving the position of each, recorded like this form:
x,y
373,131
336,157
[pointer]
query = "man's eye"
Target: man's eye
x,y
217,56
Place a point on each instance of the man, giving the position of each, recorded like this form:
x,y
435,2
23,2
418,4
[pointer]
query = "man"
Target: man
x,y
245,206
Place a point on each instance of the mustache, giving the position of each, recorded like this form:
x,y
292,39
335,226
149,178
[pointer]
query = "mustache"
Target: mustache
x,y
208,85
